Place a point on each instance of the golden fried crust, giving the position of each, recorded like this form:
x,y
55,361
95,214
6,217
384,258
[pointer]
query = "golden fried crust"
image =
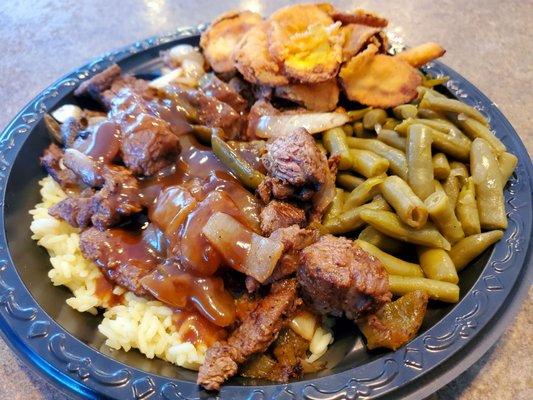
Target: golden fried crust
x,y
362,17
219,40
304,39
379,80
356,36
253,60
420,55
322,96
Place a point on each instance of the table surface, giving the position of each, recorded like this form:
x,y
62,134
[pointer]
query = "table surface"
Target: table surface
x,y
488,42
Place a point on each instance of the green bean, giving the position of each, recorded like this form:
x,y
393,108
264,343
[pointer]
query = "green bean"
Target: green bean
x,y
204,133
488,182
419,162
436,290
367,163
437,264
429,114
407,204
405,111
474,129
441,212
348,129
390,123
335,143
451,187
439,124
430,82
507,163
438,187
242,170
391,225
392,138
378,239
360,132
397,160
393,265
450,105
348,181
363,193
466,209
350,220
464,251
357,115
422,91
335,208
441,167
459,170
374,117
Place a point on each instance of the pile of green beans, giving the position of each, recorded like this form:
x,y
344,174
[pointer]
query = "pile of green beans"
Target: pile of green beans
x,y
429,174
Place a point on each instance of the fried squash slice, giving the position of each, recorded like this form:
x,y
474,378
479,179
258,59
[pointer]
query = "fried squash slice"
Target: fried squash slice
x,y
356,36
254,61
306,41
379,80
322,96
220,39
394,324
362,17
420,55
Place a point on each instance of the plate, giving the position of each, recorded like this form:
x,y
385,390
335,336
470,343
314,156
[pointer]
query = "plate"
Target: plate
x,y
66,347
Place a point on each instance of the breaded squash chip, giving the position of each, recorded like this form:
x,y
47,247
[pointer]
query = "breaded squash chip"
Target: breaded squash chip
x,y
305,40
379,80
322,96
362,17
253,60
356,36
420,55
219,40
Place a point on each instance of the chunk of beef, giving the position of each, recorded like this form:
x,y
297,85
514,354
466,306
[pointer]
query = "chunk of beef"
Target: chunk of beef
x,y
257,331
51,160
148,145
95,86
337,277
70,129
212,86
89,171
136,85
296,168
99,246
77,211
278,214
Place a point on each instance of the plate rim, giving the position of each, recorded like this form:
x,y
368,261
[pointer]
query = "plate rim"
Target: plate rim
x,y
85,376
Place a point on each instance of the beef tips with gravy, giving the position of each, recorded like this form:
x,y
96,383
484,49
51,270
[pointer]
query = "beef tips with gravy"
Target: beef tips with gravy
x,y
337,277
163,217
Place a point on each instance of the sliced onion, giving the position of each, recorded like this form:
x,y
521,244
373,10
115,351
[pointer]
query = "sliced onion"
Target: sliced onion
x,y
67,111
272,126
242,249
304,324
166,79
323,198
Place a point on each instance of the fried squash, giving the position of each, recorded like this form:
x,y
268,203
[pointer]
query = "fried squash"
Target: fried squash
x,y
356,36
219,40
322,96
362,17
379,80
420,55
253,60
394,324
306,41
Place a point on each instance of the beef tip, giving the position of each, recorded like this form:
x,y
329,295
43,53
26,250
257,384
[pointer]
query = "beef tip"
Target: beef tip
x,y
148,145
89,171
336,277
211,85
243,88
278,214
259,109
95,86
100,247
257,331
77,211
138,86
296,168
51,160
70,129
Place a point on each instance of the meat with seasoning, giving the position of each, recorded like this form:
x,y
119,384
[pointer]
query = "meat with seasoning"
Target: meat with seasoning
x,y
278,214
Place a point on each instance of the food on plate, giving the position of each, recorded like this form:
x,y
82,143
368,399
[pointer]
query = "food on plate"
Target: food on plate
x,y
289,173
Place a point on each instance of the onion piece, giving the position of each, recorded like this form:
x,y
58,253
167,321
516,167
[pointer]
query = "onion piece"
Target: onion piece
x,y
242,249
273,126
67,111
304,324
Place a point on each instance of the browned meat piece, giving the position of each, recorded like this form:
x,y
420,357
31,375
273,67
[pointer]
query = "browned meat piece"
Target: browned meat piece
x,y
257,331
278,214
337,277
113,258
95,86
296,168
259,109
138,86
70,130
77,211
211,85
148,145
51,161
89,171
